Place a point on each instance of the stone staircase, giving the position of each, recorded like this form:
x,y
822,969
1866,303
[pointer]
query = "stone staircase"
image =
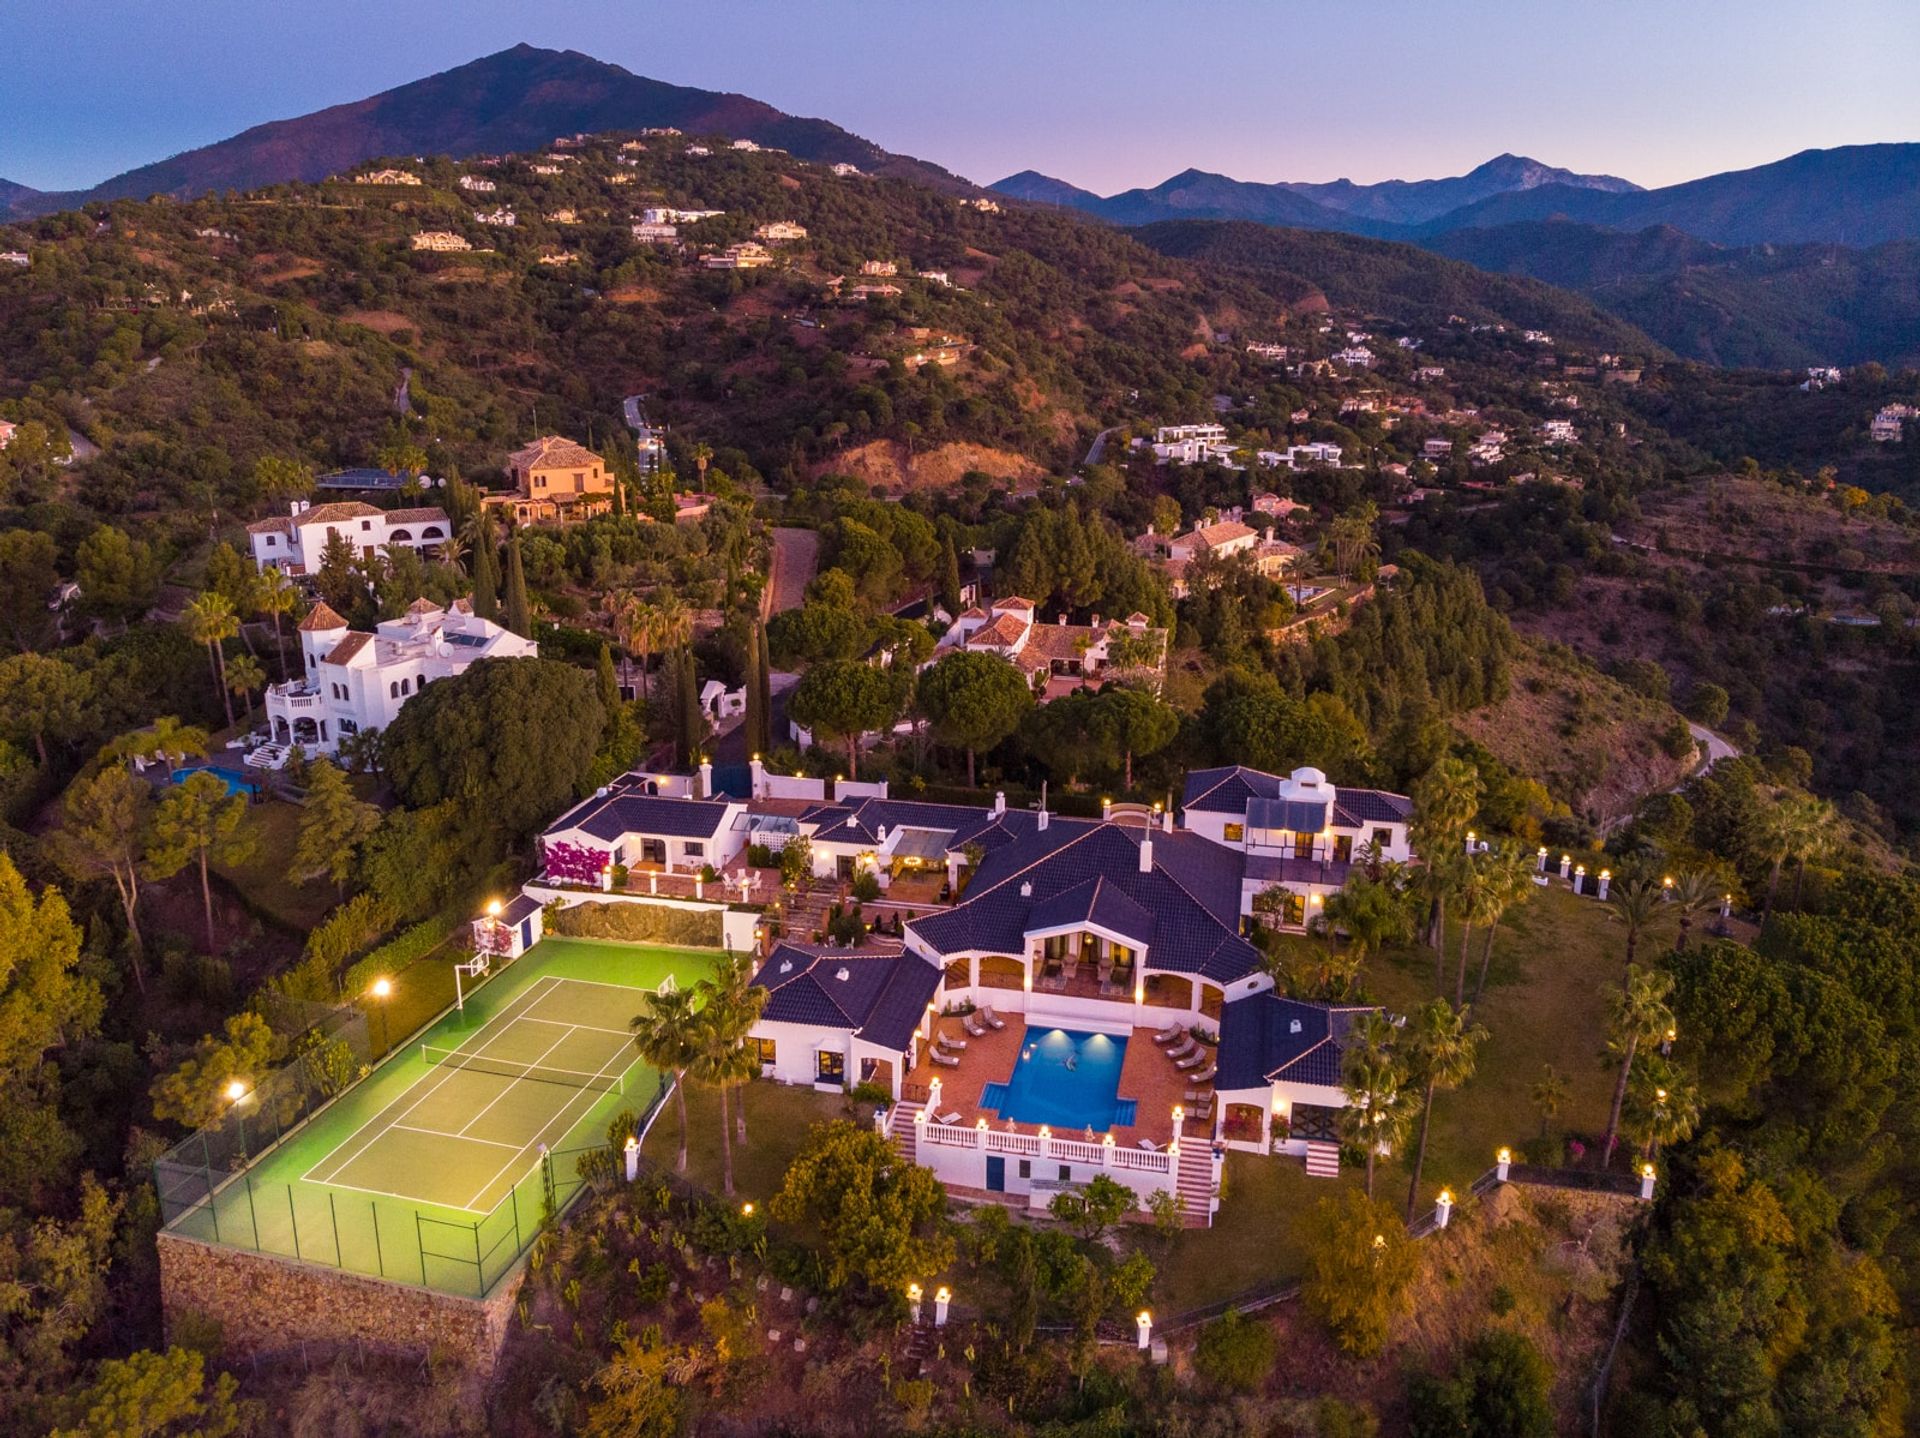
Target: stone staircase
x,y
1194,1184
807,910
900,1130
1323,1159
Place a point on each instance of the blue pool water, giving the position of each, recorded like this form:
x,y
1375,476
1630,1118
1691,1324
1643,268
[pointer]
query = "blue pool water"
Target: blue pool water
x,y
236,782
1066,1080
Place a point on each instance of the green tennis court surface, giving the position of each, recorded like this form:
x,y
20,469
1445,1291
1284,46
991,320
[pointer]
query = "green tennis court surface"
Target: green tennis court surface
x,y
437,1167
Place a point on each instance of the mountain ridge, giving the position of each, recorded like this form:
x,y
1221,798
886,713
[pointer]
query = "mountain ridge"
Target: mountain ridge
x,y
514,100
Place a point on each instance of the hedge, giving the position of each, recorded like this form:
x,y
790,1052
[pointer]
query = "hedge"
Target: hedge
x,y
394,955
638,924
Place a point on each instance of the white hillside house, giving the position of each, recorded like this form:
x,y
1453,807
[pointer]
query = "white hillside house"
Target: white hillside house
x,y
296,542
356,681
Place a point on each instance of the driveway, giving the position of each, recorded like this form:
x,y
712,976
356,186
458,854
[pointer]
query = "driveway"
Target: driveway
x,y
795,559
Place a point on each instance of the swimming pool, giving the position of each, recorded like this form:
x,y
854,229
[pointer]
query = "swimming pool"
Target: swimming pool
x,y
236,783
1066,1080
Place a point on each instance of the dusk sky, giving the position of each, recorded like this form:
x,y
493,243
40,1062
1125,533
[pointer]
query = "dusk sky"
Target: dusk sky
x,y
1107,94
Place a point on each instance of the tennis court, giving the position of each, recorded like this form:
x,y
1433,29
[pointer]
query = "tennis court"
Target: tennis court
x,y
437,1167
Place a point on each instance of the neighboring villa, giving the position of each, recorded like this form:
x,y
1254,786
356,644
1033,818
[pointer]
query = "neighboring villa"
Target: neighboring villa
x,y
504,218
1889,424
387,177
648,233
556,480
667,215
1191,444
747,255
1355,356
780,231
440,241
474,185
1057,658
296,542
356,682
881,269
7,431
845,170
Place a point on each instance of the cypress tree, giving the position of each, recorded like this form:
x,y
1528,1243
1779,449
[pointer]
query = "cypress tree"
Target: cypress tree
x,y
609,683
690,717
519,612
751,729
486,569
764,680
949,577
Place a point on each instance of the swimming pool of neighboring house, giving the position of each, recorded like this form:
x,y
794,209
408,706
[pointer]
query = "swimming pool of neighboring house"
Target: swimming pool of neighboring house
x,y
236,782
1066,1080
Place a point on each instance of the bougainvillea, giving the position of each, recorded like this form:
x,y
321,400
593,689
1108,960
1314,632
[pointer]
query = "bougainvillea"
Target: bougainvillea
x,y
573,863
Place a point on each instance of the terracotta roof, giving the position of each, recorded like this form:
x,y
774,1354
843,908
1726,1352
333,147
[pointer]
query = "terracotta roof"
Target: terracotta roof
x,y
422,606
425,514
1225,532
321,618
552,449
1060,641
348,647
339,509
1007,629
1013,601
280,525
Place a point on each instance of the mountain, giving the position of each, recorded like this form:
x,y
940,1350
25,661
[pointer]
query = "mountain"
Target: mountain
x,y
1854,195
1387,279
1038,189
1386,210
516,100
1413,202
1768,306
16,198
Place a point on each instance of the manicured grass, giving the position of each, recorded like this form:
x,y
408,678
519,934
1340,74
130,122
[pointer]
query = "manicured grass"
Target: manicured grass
x,y
265,878
1257,1239
778,1117
1545,1003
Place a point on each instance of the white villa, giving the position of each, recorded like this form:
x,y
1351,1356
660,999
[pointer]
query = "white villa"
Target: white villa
x,y
1068,996
1191,444
295,542
780,231
356,681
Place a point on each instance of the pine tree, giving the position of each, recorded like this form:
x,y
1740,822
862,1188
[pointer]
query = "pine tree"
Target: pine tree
x,y
486,569
519,614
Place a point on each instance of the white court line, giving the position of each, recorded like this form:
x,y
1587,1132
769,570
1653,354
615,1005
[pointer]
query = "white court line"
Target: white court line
x,y
442,1133
438,1080
593,1096
626,1034
513,1082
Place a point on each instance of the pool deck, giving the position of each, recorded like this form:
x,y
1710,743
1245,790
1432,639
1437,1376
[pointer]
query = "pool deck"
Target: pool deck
x,y
1147,1076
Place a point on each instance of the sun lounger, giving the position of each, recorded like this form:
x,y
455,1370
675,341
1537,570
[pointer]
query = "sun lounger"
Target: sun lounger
x,y
1186,1050
948,1041
1167,1036
947,1120
1192,1060
944,1059
991,1019
1205,1075
974,1026
1149,1145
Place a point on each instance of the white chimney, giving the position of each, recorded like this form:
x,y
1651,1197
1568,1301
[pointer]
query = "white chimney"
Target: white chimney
x,y
1146,854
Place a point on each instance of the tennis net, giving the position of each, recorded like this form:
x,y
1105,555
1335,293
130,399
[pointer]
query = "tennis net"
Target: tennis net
x,y
601,1082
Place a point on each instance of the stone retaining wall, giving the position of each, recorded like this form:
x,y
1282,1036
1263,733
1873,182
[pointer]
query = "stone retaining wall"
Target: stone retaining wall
x,y
265,1304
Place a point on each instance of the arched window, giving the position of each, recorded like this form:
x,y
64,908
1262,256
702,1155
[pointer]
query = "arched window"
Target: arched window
x,y
406,687
433,531
400,536
393,691
421,683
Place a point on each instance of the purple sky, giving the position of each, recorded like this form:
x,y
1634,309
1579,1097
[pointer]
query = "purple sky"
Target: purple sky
x,y
1107,94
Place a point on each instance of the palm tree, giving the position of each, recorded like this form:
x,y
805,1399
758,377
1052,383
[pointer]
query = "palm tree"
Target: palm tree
x,y
1663,1104
666,1031
1549,1095
1637,1014
722,1058
1793,827
1509,884
209,619
244,675
731,986
1636,905
1444,803
1371,912
277,597
166,736
1471,887
1813,837
1443,1047
1376,1115
702,453
1694,892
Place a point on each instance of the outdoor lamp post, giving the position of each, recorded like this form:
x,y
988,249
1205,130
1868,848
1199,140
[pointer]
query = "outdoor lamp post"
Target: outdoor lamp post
x,y
382,990
1540,860
1143,1328
913,1301
1646,1182
942,1296
633,1158
1606,878
1443,1208
1502,1161
234,1092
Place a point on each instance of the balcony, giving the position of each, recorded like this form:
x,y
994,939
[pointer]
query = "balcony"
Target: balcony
x,y
295,698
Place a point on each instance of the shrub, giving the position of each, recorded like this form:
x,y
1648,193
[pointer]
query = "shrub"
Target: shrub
x,y
638,923
405,948
1236,1352
866,886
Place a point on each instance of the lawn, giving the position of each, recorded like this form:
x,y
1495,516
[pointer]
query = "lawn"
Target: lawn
x,y
1545,1004
778,1117
264,879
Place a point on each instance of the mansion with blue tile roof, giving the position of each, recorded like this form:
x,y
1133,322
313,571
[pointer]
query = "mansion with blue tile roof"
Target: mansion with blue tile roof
x,y
1115,948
